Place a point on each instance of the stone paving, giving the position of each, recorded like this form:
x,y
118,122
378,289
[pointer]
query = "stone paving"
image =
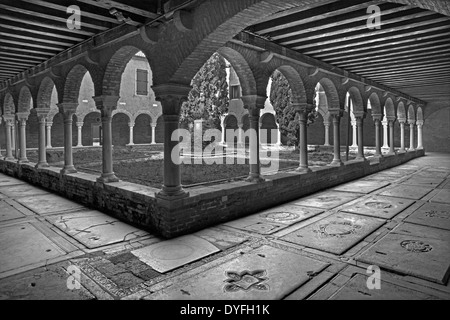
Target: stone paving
x,y
317,247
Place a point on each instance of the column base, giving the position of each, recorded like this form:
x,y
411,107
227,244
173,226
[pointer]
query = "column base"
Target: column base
x,y
303,169
172,193
378,155
401,151
107,178
79,146
362,159
336,163
68,170
392,153
254,178
411,150
23,160
41,165
419,148
9,159
130,144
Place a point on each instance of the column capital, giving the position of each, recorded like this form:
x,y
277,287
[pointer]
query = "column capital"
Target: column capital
x,y
419,122
391,118
401,121
377,116
254,102
68,109
131,124
80,123
359,114
171,96
411,122
302,107
42,112
106,103
336,112
49,123
9,118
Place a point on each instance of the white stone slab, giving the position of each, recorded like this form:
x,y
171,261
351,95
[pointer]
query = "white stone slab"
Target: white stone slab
x,y
220,238
171,254
356,289
22,245
379,206
413,250
336,233
431,174
407,191
431,214
362,186
423,181
443,196
48,203
9,181
95,229
8,212
327,199
266,273
21,190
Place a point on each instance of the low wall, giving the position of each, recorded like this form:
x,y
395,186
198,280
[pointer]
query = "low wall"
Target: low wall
x,y
206,205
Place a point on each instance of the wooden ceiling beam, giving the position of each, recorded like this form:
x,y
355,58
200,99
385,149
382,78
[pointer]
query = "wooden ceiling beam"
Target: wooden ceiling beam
x,y
108,4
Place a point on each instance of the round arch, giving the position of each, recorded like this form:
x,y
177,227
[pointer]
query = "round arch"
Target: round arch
x,y
375,102
295,83
269,123
25,103
401,112
358,102
44,96
72,84
8,104
411,113
419,115
389,108
331,93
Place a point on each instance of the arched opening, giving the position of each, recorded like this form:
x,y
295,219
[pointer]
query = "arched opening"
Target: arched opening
x,y
142,132
231,123
268,123
91,131
159,130
121,130
57,131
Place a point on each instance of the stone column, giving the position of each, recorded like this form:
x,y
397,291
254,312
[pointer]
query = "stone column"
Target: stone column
x,y
106,105
42,117
22,118
240,134
377,121
303,111
222,125
402,136
336,116
254,104
153,133
131,126
49,134
391,122
385,133
278,135
13,136
171,97
355,141
9,122
68,110
411,135
80,134
419,134
360,115
327,134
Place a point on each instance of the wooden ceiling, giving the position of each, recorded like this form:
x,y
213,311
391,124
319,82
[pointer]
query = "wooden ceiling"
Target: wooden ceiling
x,y
410,52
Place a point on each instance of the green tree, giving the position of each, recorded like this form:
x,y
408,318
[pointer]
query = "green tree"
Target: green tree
x,y
208,99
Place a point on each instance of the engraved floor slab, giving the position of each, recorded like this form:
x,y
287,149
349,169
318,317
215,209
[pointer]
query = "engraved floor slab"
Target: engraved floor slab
x,y
443,196
171,254
263,274
423,181
356,289
9,181
362,186
336,233
48,203
21,190
414,250
327,199
220,238
22,245
95,229
272,220
379,206
8,212
407,191
432,215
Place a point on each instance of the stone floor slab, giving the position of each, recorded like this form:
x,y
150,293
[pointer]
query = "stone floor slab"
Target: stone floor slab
x,y
379,206
362,186
8,212
48,203
336,233
95,229
327,199
356,289
9,181
413,250
171,254
222,239
262,274
423,181
22,245
443,196
21,190
407,191
431,214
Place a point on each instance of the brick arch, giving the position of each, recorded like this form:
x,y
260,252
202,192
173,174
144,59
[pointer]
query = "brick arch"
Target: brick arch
x,y
153,117
358,101
127,113
112,77
419,114
25,100
375,102
245,74
73,83
295,82
401,112
8,104
331,93
268,122
389,108
44,96
411,113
